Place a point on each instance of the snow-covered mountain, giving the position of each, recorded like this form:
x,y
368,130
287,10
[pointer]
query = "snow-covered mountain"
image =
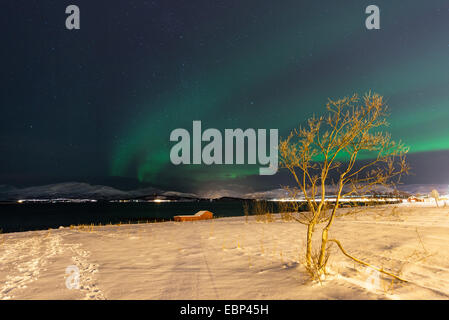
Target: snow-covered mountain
x,y
412,189
424,189
80,190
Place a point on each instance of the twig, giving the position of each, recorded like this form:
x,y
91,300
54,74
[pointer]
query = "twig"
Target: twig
x,y
420,240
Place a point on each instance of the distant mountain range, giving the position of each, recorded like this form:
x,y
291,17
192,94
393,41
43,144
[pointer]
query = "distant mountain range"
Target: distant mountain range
x,y
424,189
79,190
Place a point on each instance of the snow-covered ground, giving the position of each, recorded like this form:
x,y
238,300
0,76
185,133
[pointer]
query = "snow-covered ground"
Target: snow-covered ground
x,y
231,258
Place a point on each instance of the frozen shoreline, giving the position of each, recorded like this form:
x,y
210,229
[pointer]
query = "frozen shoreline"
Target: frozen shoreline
x,y
228,258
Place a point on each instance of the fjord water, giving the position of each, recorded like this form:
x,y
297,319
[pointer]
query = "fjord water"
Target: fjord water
x,y
16,217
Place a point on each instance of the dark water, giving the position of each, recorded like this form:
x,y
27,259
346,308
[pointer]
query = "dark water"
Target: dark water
x,y
40,216
16,217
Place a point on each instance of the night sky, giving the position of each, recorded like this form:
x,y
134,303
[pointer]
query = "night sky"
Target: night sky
x,y
98,104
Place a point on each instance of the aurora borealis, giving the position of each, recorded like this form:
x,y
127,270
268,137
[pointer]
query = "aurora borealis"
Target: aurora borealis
x,y
101,102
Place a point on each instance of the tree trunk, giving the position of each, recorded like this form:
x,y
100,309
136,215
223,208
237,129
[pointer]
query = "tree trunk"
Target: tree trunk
x,y
324,235
321,260
310,228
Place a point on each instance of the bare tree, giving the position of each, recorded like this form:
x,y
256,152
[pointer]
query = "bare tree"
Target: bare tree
x,y
323,160
434,194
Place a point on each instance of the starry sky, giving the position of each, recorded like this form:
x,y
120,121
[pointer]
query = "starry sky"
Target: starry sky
x,y
98,104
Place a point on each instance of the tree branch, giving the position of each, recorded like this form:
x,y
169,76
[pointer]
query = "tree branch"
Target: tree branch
x,y
365,263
